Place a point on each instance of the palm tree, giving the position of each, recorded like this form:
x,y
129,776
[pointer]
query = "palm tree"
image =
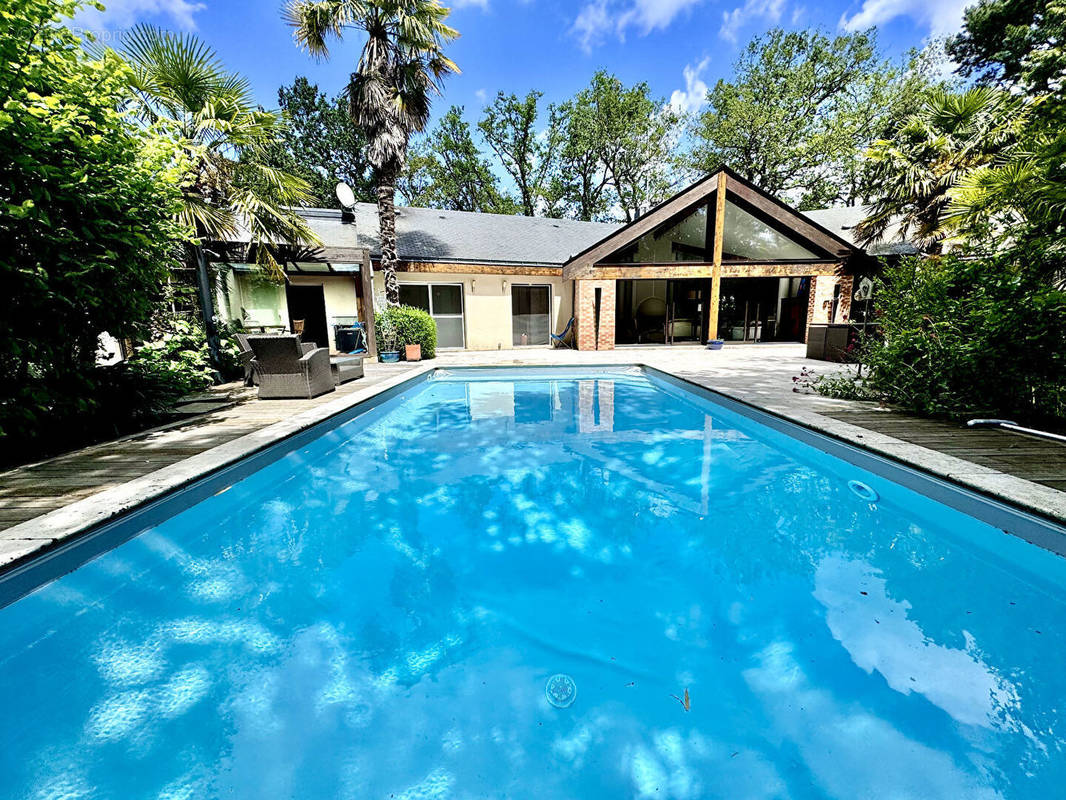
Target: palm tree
x,y
934,151
181,86
402,64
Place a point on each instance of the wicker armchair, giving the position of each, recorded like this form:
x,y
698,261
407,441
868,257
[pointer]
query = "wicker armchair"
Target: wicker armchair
x,y
287,370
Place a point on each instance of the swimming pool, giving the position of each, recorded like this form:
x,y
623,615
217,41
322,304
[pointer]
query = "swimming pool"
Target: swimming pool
x,y
378,612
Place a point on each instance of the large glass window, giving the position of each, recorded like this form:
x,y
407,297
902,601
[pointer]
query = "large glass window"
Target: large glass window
x,y
443,302
684,240
747,237
530,314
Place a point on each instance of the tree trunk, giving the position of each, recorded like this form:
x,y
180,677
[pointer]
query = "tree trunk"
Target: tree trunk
x,y
198,261
387,224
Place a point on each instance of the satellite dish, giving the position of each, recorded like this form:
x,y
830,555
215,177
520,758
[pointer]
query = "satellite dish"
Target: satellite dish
x,y
345,195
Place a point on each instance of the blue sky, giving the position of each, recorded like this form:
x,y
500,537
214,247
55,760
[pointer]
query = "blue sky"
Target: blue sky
x,y
678,46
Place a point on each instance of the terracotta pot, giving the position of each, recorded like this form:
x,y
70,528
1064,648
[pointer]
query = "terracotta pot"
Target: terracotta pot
x,y
413,352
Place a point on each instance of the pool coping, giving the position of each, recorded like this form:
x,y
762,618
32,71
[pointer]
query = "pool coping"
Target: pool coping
x,y
30,540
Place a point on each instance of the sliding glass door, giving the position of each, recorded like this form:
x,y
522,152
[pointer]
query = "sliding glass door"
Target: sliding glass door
x,y
443,302
530,314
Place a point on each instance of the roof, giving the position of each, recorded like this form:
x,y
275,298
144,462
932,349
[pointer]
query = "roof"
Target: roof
x,y
465,237
843,220
719,184
426,234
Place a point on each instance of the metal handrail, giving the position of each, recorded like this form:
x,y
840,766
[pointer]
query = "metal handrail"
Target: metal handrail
x,y
1011,425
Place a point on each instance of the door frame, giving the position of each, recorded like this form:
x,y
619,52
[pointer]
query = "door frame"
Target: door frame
x,y
305,287
551,307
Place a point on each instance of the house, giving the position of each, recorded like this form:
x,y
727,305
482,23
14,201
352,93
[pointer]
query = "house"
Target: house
x,y
721,257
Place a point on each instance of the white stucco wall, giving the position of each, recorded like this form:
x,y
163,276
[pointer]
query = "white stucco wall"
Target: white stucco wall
x,y
256,302
487,303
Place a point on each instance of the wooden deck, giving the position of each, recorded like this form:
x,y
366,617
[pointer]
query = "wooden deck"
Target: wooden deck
x,y
29,492
1038,460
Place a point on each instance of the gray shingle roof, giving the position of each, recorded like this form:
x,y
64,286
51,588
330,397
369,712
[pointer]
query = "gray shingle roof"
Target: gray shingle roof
x,y
842,222
426,234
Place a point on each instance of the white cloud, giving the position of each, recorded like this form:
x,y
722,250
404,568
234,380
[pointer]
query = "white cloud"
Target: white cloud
x,y
599,19
694,95
481,95
732,21
482,4
125,13
942,17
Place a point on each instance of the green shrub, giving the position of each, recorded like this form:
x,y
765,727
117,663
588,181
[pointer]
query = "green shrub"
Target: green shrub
x,y
398,326
968,337
179,349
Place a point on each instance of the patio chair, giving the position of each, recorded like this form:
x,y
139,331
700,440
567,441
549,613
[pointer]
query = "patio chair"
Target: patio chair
x,y
247,357
560,339
286,369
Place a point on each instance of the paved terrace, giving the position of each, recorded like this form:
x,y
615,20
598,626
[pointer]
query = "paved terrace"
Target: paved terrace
x,y
43,502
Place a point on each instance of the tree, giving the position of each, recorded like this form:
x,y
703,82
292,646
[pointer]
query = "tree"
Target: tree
x,y
87,231
321,144
636,139
448,171
180,86
583,183
1015,42
402,63
801,110
1022,193
938,146
529,156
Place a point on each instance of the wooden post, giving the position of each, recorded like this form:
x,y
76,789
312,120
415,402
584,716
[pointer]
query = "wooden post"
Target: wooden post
x,y
368,305
716,256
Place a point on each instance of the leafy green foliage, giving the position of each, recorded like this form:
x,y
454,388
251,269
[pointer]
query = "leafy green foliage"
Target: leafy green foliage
x,y
618,145
1017,42
446,170
87,232
320,144
178,351
968,337
935,149
182,87
509,125
398,326
801,110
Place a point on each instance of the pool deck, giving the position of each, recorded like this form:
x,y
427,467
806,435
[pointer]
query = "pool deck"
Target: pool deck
x,y
44,504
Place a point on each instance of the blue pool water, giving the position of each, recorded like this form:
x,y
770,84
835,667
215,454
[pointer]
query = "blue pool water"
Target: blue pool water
x,y
377,615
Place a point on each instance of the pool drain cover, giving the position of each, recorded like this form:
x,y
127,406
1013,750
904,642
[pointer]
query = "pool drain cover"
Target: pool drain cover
x,y
561,691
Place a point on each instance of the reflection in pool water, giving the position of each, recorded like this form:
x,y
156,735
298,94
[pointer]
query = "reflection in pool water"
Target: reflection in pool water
x,y
378,614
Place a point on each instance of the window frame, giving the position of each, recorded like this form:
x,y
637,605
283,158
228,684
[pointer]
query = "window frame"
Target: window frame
x,y
462,305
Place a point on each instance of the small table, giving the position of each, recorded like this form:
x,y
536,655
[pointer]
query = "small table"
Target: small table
x,y
346,368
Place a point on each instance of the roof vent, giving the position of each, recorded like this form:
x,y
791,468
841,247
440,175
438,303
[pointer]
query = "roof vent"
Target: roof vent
x,y
441,216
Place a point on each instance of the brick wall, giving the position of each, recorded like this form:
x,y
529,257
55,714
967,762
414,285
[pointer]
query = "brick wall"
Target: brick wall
x,y
812,292
585,314
847,286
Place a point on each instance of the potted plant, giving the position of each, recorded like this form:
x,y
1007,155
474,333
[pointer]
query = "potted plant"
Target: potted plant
x,y
388,341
